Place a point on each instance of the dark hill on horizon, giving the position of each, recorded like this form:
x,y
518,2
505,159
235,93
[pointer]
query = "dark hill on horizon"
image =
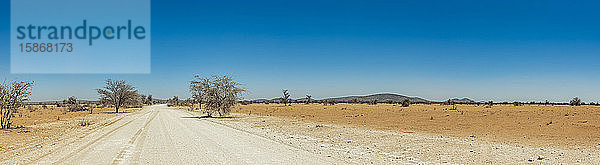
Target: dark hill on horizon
x,y
463,100
384,97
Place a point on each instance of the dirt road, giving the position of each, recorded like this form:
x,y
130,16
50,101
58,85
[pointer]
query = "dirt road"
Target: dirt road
x,y
161,135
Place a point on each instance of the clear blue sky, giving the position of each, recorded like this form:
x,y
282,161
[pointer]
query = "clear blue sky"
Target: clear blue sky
x,y
502,50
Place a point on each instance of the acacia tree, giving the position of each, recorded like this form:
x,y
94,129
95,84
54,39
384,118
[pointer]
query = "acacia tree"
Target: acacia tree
x,y
12,96
219,93
198,89
118,93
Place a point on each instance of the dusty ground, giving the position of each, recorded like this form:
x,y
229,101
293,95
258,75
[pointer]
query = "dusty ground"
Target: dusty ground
x,y
34,127
541,126
353,134
161,135
360,145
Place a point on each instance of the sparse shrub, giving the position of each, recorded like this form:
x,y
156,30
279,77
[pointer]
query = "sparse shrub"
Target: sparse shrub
x,y
30,108
575,102
329,102
173,101
454,107
489,104
72,104
245,102
308,97
405,103
448,102
83,123
516,103
374,102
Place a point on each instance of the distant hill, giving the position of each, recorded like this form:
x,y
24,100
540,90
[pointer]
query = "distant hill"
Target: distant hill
x,y
463,100
380,98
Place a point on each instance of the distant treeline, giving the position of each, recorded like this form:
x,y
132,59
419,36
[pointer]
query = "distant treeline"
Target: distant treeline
x,y
574,102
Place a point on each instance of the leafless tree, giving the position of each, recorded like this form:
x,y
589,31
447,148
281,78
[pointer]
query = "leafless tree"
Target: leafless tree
x,y
117,93
12,96
308,97
219,93
286,97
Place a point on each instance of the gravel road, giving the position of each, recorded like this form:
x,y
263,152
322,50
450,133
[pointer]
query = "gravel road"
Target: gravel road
x,y
161,135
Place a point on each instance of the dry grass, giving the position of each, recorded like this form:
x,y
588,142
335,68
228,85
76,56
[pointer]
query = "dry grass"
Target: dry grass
x,y
32,126
562,126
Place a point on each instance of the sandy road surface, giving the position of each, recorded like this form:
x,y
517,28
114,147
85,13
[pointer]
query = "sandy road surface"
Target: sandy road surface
x,y
160,135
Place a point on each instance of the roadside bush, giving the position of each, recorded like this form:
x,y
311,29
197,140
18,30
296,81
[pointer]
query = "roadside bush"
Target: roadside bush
x,y
173,101
405,103
72,104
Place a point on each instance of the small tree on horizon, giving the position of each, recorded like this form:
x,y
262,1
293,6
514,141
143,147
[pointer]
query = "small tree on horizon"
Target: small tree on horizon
x,y
286,97
308,97
117,93
406,103
72,104
174,101
149,100
575,102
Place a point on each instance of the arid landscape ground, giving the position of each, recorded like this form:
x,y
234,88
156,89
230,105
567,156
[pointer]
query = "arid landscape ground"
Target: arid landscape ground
x,y
360,133
541,125
42,125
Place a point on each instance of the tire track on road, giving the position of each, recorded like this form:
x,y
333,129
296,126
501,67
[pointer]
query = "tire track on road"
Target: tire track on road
x,y
127,149
261,136
60,161
78,138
